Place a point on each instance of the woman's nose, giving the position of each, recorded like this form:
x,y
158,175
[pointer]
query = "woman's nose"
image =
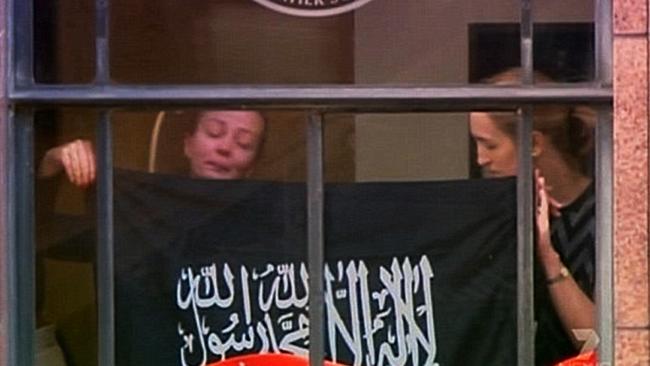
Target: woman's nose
x,y
481,158
224,146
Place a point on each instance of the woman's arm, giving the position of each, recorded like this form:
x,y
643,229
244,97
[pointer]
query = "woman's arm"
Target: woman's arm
x,y
573,306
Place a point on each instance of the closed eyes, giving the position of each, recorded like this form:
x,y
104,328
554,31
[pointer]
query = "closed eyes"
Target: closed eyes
x,y
245,139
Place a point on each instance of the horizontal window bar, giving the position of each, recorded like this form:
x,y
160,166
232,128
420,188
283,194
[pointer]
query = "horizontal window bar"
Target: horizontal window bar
x,y
352,98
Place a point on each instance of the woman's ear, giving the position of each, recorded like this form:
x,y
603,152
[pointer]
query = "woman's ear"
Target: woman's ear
x,y
539,142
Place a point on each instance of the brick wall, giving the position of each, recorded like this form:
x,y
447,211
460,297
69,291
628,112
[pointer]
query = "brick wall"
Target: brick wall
x,y
631,181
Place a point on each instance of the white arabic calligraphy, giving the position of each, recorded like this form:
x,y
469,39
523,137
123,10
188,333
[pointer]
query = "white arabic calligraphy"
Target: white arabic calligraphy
x,y
384,322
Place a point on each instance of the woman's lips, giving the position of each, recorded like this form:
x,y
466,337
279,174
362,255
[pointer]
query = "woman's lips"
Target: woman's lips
x,y
216,167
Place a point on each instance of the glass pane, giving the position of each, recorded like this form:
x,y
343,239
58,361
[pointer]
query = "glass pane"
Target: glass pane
x,y
411,147
206,42
563,52
195,44
562,155
64,41
153,140
210,235
563,44
564,40
65,241
214,251
421,260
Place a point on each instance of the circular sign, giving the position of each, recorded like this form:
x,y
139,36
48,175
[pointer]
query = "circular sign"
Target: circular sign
x,y
312,8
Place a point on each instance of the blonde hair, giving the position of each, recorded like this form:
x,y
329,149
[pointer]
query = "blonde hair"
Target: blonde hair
x,y
570,129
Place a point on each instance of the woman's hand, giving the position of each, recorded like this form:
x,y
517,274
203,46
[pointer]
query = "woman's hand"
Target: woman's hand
x,y
76,158
574,308
545,207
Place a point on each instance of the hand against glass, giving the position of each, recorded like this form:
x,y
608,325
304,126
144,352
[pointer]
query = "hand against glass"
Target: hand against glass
x,y
546,207
76,158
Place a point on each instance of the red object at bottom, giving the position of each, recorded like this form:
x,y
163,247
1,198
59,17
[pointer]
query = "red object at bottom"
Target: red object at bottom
x,y
583,359
268,359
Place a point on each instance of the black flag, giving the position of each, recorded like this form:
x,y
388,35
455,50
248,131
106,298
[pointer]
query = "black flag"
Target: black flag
x,y
415,273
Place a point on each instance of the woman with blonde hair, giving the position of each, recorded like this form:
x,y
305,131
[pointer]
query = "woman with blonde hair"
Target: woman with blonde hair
x,y
562,141
218,144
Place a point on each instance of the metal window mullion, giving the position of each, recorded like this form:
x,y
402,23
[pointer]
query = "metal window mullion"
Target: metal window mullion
x,y
102,64
603,42
105,233
315,238
525,244
21,43
526,41
604,188
604,236
105,275
22,260
525,238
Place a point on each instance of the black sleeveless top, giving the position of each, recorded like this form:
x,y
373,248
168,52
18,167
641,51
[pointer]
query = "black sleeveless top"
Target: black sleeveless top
x,y
574,236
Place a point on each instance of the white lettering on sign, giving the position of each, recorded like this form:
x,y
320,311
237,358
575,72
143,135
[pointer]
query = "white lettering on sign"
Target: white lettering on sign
x,y
388,321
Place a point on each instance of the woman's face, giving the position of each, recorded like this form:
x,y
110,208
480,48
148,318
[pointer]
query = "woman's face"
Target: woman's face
x,y
496,150
224,144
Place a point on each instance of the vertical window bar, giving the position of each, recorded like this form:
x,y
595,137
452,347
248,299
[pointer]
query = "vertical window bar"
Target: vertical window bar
x,y
7,250
604,42
105,282
604,237
525,245
23,301
604,189
102,67
315,234
21,46
526,41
